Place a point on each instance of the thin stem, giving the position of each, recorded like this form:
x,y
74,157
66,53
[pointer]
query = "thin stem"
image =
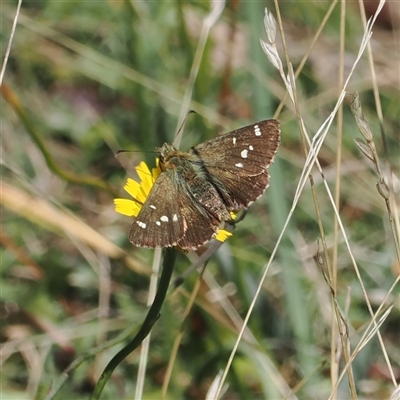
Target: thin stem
x,y
151,318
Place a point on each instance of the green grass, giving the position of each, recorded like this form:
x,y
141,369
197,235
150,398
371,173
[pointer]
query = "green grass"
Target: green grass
x,y
85,79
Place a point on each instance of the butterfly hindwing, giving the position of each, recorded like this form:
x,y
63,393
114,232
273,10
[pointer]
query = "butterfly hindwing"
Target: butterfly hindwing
x,y
240,194
201,224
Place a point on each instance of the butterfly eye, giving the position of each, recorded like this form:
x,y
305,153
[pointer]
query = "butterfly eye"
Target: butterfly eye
x,y
162,163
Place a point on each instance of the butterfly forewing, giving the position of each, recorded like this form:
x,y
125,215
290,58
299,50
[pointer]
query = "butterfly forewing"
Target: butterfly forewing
x,y
159,222
237,162
245,151
177,220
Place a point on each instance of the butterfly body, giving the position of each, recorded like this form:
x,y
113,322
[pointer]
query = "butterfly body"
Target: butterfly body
x,y
198,189
191,176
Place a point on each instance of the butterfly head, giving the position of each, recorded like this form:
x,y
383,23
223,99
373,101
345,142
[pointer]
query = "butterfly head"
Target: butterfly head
x,y
166,151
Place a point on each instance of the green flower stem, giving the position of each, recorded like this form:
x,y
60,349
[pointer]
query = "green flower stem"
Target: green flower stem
x,y
151,318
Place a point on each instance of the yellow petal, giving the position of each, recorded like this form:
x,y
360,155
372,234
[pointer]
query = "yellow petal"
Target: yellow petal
x,y
127,207
132,187
233,215
222,235
139,191
146,179
141,195
157,170
144,172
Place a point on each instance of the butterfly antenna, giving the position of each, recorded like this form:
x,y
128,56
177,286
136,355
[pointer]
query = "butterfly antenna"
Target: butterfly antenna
x,y
183,124
133,151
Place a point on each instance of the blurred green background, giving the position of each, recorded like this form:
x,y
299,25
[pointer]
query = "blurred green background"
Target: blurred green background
x,y
85,79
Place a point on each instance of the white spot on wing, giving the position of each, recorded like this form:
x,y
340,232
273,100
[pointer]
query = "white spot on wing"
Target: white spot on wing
x,y
251,147
164,218
234,140
244,153
158,223
141,224
153,207
239,165
257,130
175,218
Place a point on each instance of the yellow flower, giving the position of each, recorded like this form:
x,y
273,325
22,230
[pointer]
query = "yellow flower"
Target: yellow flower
x,y
140,190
